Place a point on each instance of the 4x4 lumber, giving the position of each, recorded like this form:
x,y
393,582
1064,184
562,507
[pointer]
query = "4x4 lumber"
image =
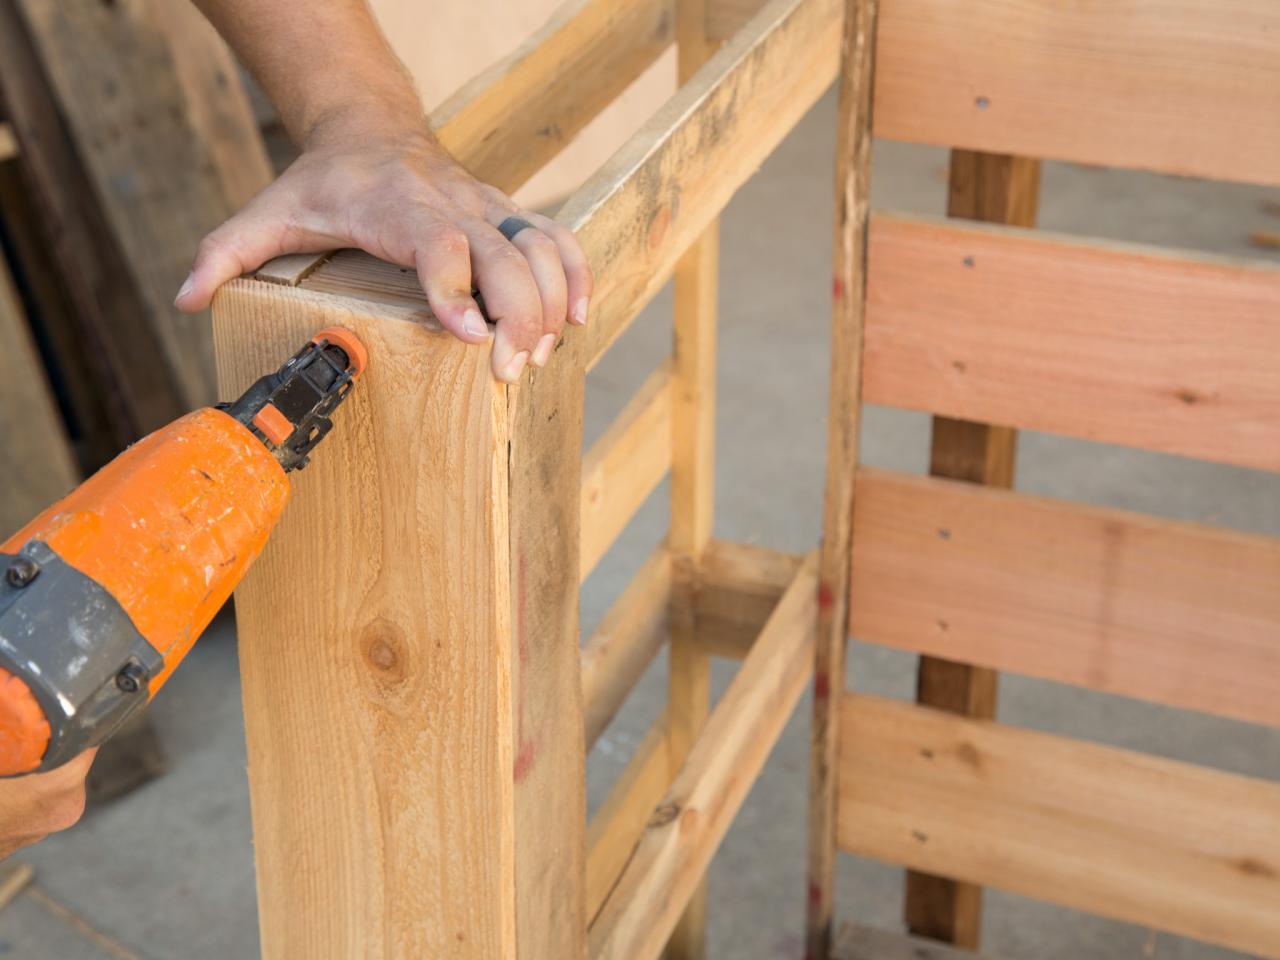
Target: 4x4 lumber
x,y
39,467
998,189
1138,838
1183,88
661,190
625,465
693,481
685,829
514,118
621,648
1107,341
1179,613
844,415
376,650
152,168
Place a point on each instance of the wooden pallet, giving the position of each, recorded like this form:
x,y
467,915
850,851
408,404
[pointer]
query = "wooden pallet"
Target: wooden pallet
x,y
857,942
997,328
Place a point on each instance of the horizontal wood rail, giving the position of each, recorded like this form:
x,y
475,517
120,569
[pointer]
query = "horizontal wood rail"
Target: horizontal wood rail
x,y
1181,848
616,827
661,190
624,644
510,121
624,466
738,587
1184,88
1104,341
687,826
1178,613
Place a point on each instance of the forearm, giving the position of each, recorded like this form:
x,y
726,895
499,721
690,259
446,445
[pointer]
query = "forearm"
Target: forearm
x,y
325,66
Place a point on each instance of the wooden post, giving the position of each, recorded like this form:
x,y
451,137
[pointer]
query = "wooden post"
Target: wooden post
x,y
693,478
999,189
375,649
849,283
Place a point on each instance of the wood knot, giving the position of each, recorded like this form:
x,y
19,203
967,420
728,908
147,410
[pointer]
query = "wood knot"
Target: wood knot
x,y
383,648
663,815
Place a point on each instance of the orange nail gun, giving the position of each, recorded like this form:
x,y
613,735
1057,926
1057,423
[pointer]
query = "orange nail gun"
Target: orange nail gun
x,y
105,592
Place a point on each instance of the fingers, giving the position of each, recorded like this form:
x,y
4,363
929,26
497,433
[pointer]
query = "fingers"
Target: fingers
x,y
577,271
442,256
543,257
511,295
243,243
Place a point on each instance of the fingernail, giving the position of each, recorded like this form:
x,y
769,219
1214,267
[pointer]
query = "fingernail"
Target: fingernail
x,y
474,324
185,289
542,352
580,312
515,366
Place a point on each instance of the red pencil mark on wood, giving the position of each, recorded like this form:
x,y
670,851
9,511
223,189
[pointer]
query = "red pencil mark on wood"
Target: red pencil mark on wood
x,y
837,288
525,757
821,686
826,599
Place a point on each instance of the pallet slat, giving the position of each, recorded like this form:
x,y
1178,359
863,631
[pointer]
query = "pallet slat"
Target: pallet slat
x,y
739,585
1137,838
1178,613
1183,88
624,466
1107,342
696,811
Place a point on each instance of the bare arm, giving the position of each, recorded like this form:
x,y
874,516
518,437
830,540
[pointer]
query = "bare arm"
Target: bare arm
x,y
371,175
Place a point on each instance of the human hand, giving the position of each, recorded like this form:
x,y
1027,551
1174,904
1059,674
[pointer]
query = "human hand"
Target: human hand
x,y
402,198
38,804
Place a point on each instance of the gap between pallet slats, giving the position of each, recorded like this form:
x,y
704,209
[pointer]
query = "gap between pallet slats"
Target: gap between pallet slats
x,y
687,826
1183,88
1137,838
624,466
624,644
1179,613
1105,341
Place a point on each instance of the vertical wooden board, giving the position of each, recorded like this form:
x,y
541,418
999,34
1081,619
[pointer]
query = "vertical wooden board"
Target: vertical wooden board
x,y
844,413
550,757
1189,87
375,649
1138,838
1000,189
38,464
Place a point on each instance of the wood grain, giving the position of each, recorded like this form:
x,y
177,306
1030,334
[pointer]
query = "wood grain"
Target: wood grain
x,y
621,648
727,17
738,587
38,467
1103,341
624,466
1178,613
1181,87
687,826
376,649
844,415
1137,838
639,213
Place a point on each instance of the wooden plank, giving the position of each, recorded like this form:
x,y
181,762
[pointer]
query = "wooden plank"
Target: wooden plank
x,y
39,467
121,91
1150,841
618,825
621,648
1003,189
379,715
109,317
512,119
8,143
657,194
844,414
1105,341
738,587
687,826
1183,88
693,482
624,466
727,17
1178,613
857,942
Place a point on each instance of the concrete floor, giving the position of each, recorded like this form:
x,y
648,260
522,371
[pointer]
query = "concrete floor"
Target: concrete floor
x,y
168,874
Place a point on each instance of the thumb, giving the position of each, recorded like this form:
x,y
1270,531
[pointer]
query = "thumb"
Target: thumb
x,y
235,248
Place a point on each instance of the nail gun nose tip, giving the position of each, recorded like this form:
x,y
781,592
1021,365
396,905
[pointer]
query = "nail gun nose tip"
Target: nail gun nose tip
x,y
350,344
